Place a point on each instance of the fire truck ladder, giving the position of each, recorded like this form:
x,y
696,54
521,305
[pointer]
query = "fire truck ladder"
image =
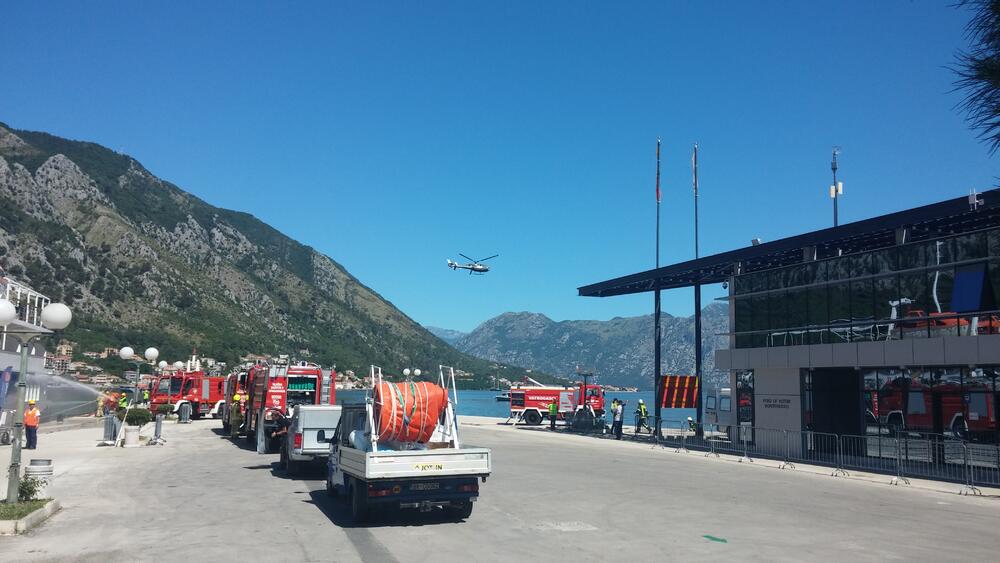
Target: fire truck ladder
x,y
326,384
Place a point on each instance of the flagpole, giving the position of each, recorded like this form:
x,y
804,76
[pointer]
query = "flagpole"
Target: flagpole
x,y
657,336
697,296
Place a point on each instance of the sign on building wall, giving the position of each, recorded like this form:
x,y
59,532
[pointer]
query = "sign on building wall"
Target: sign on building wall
x,y
679,392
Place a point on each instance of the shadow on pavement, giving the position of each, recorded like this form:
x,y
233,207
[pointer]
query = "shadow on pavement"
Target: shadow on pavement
x,y
338,510
240,442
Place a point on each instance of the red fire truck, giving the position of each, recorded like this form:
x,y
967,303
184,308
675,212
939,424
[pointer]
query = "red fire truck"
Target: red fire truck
x,y
530,401
273,389
903,404
203,392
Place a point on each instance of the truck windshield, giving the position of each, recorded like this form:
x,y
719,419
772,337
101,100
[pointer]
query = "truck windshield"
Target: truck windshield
x,y
169,385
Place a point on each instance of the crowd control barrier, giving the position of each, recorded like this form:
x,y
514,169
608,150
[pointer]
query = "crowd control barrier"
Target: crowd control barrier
x,y
901,455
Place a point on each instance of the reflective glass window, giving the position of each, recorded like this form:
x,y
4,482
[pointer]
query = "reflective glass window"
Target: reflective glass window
x,y
911,256
860,265
797,314
778,315
759,319
839,268
993,238
743,322
862,309
971,246
884,261
840,311
913,305
817,303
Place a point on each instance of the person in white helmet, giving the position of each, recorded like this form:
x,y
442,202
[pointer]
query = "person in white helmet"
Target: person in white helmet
x,y
692,425
641,417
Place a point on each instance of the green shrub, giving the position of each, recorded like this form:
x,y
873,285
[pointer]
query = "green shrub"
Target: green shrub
x,y
165,409
28,489
136,417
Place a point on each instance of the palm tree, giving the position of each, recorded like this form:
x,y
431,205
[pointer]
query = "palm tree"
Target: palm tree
x,y
979,70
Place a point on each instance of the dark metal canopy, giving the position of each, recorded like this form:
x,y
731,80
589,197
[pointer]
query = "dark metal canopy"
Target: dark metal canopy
x,y
954,216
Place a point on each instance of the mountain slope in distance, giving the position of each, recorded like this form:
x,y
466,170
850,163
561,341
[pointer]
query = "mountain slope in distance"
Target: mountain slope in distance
x,y
143,262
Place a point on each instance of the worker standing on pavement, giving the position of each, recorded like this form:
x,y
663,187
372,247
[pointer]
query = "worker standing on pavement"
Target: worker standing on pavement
x,y
235,415
553,414
31,418
617,418
641,415
692,425
145,396
122,400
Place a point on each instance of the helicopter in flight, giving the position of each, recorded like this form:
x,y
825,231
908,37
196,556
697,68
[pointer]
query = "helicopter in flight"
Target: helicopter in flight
x,y
474,266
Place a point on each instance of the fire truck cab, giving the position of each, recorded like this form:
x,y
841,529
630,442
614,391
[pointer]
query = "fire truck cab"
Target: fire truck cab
x,y
192,386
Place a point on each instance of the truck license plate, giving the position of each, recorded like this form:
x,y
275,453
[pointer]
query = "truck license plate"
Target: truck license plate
x,y
425,486
428,466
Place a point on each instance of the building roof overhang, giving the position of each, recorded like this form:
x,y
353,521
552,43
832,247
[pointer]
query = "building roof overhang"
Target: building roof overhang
x,y
954,216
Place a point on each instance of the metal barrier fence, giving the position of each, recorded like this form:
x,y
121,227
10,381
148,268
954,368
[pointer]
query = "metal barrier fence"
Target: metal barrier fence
x,y
902,455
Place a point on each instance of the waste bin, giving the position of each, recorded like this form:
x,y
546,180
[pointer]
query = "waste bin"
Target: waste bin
x,y
131,436
42,470
184,413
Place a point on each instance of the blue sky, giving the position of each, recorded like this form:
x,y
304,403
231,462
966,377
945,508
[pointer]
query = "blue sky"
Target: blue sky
x,y
394,135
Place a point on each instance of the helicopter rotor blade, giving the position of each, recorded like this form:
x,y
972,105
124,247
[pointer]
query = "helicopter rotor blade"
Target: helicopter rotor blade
x,y
485,259
466,257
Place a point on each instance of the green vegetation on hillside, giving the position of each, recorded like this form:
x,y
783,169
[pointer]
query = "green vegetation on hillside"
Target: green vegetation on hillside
x,y
176,298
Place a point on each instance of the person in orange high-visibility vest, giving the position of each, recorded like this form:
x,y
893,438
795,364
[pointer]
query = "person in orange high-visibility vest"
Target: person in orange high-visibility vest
x,y
31,419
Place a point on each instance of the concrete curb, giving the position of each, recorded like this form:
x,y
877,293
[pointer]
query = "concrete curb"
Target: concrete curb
x,y
13,527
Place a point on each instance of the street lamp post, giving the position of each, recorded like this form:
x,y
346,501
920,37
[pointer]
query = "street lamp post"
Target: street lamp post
x,y
55,316
129,355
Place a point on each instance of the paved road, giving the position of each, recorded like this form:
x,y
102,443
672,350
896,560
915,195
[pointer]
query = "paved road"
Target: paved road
x,y
552,497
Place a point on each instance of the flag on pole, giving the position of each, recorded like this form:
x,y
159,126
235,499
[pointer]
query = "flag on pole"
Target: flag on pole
x,y
694,169
657,170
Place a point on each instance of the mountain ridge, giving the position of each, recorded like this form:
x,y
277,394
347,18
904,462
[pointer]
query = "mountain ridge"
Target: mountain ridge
x,y
143,262
618,350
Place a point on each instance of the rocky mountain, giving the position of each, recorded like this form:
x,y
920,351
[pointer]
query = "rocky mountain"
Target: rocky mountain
x,y
620,350
448,335
145,263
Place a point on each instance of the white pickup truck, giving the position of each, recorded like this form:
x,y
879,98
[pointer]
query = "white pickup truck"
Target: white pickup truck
x,y
439,474
306,441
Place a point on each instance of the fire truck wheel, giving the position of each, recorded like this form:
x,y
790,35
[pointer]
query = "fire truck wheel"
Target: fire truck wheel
x,y
359,502
532,418
461,511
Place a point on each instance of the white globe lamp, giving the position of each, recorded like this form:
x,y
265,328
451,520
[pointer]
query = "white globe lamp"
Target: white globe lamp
x,y
406,372
7,312
126,353
56,316
416,373
162,364
151,354
179,365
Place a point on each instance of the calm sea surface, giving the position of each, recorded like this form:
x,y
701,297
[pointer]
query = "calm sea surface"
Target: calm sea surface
x,y
484,403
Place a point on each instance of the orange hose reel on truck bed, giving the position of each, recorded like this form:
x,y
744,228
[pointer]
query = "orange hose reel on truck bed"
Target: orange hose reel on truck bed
x,y
409,411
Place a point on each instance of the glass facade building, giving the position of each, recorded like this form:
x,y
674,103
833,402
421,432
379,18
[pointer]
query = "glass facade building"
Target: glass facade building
x,y
944,287
920,290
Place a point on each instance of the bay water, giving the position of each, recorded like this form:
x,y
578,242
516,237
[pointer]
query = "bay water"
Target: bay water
x,y
484,403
